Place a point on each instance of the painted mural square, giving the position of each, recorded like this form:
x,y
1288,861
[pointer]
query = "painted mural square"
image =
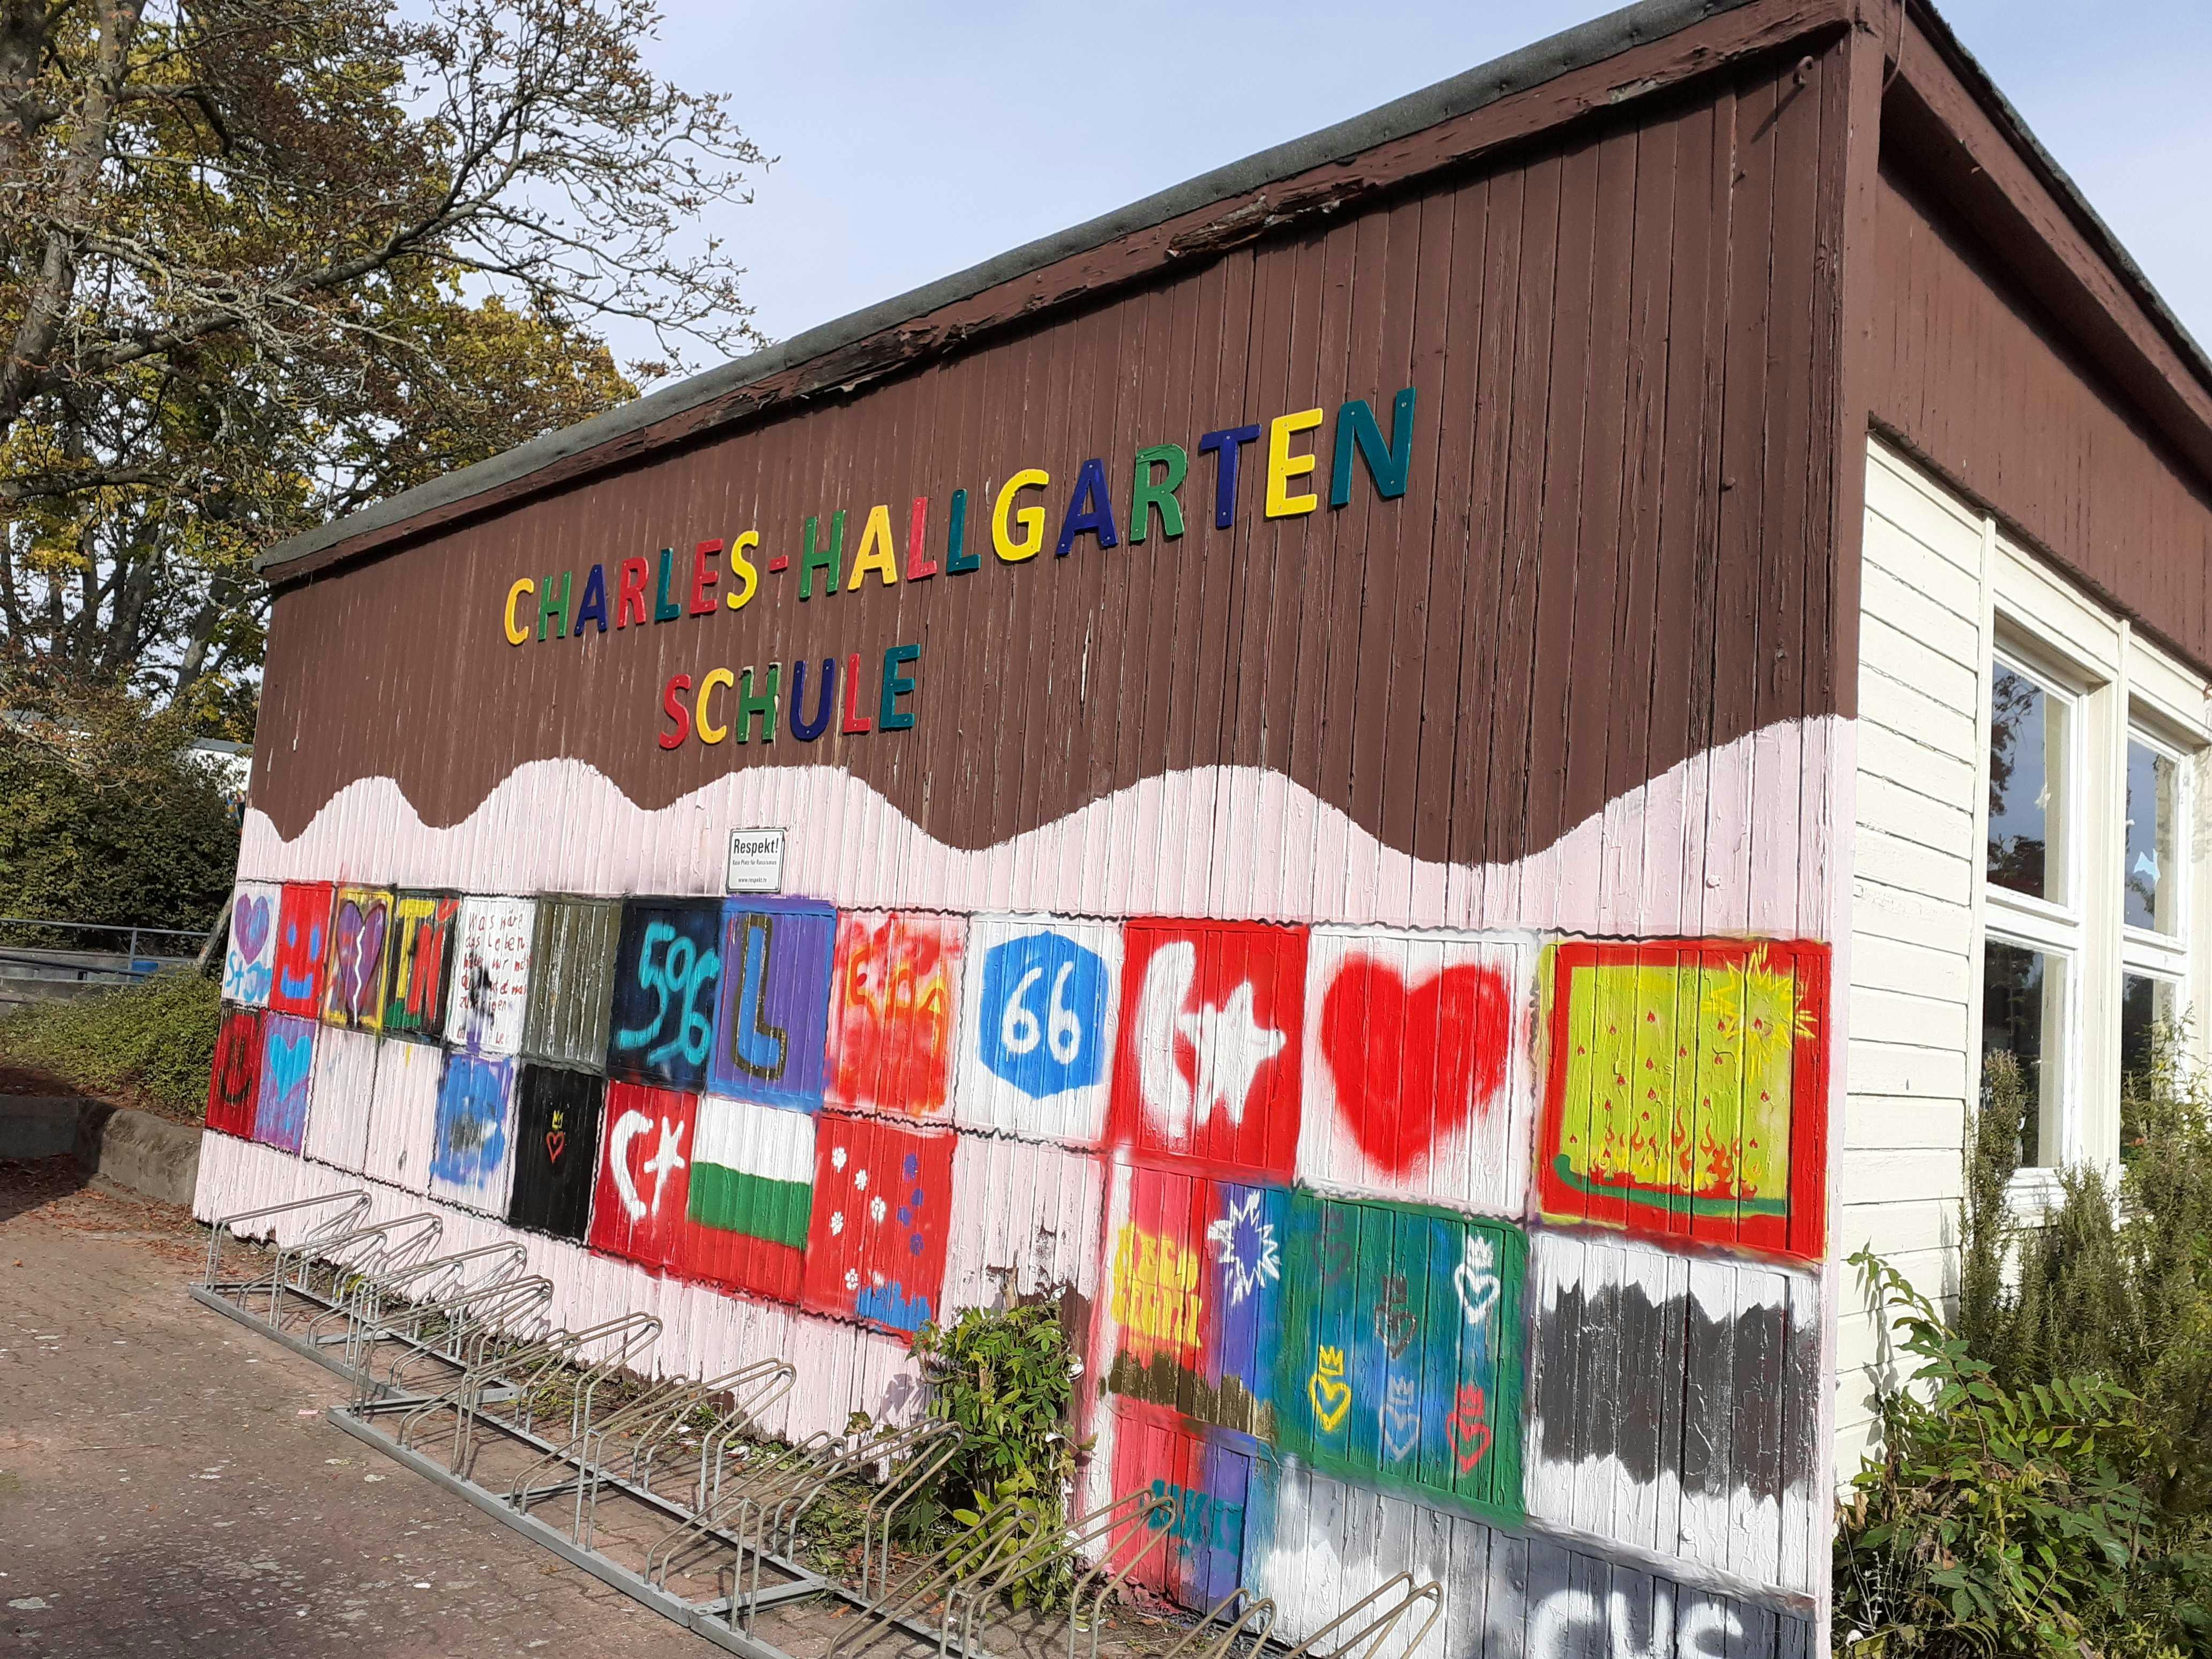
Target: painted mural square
x,y
234,1077
572,972
288,1064
644,1181
1207,1065
881,1217
1416,1073
556,1139
774,1018
1037,1026
360,958
473,1158
1200,1558
344,1089
894,1011
1194,1277
751,1200
668,977
249,959
403,1120
1399,1354
491,974
303,925
1686,1091
422,964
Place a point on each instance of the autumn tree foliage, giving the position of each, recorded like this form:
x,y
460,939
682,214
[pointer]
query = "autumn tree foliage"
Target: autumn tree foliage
x,y
264,261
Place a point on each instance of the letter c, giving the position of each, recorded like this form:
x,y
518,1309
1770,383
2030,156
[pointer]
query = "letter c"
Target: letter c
x,y
517,636
709,732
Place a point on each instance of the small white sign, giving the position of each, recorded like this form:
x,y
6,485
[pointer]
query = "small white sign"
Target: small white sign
x,y
756,861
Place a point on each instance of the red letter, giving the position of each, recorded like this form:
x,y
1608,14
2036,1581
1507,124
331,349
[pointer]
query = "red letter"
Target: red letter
x,y
702,578
854,720
919,564
634,574
672,702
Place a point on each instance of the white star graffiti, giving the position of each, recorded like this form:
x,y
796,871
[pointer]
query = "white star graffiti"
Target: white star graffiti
x,y
1232,1047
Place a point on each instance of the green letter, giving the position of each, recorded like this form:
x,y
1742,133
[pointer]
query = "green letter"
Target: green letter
x,y
1144,494
761,709
553,607
830,558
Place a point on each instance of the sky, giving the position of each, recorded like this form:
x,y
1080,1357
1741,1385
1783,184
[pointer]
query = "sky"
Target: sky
x,y
914,140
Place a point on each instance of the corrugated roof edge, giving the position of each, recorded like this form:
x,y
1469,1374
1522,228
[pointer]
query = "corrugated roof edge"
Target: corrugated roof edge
x,y
1531,66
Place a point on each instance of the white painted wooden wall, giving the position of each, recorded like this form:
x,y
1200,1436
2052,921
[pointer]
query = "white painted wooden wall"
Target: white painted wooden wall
x,y
1939,582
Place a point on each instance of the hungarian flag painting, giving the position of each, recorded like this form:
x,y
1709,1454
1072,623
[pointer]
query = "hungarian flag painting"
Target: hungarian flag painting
x,y
752,1196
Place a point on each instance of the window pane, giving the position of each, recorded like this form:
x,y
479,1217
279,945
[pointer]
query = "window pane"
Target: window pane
x,y
2025,727
2146,1004
2020,1014
2150,869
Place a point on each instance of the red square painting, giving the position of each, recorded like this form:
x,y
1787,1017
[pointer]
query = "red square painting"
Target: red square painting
x,y
1207,1065
234,1079
303,925
644,1173
882,1212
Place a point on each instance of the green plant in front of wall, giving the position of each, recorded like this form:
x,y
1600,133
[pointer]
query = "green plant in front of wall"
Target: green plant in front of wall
x,y
2000,1520
1008,1377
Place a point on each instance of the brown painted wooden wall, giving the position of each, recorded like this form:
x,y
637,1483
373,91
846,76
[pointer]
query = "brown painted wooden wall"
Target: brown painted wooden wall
x,y
1618,529
1975,379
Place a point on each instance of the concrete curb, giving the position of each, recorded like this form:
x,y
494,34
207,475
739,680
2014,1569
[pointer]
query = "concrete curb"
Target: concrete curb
x,y
147,1154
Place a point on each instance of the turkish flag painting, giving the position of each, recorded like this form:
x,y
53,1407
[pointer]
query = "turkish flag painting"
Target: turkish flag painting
x,y
1207,1065
644,1173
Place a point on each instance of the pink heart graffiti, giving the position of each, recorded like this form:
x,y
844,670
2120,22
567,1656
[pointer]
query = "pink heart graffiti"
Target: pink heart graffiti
x,y
249,922
360,954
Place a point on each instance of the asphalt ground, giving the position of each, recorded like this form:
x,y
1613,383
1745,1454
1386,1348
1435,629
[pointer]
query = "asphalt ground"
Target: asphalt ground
x,y
168,1484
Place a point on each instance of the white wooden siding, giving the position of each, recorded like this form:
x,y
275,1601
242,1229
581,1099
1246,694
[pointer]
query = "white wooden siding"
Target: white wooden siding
x,y
1914,1026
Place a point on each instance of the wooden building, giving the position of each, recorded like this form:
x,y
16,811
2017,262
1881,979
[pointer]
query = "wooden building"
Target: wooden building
x,y
1415,772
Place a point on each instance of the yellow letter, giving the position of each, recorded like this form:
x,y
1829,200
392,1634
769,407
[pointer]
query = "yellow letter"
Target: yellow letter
x,y
742,572
523,585
1283,466
708,733
1031,519
875,552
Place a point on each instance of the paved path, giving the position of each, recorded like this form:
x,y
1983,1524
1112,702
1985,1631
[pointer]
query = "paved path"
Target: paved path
x,y
167,1484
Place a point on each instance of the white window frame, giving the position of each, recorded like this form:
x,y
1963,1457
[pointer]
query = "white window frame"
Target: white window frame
x,y
2059,927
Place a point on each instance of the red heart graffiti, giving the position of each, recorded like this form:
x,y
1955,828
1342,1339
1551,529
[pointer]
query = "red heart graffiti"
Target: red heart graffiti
x,y
556,1142
1409,1066
1470,1434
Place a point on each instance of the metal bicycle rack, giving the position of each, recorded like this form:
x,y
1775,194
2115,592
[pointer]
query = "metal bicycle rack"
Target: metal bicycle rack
x,y
669,1489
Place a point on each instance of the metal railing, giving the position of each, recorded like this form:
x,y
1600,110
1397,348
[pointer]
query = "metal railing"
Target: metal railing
x,y
131,932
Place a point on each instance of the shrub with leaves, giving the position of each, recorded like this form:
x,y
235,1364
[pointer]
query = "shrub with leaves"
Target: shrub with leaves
x,y
152,1043
2001,1519
1006,1376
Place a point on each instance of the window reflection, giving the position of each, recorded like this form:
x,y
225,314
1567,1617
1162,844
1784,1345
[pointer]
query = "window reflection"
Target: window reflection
x,y
2147,873
2020,992
2024,752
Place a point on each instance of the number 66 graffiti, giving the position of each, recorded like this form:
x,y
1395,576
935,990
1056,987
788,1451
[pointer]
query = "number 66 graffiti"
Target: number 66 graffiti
x,y
667,973
1043,998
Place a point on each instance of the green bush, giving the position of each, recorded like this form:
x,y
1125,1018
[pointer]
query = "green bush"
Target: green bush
x,y
2004,1520
103,819
2045,1485
155,1040
2115,1283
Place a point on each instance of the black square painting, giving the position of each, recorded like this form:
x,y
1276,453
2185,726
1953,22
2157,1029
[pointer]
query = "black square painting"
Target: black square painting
x,y
557,1136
